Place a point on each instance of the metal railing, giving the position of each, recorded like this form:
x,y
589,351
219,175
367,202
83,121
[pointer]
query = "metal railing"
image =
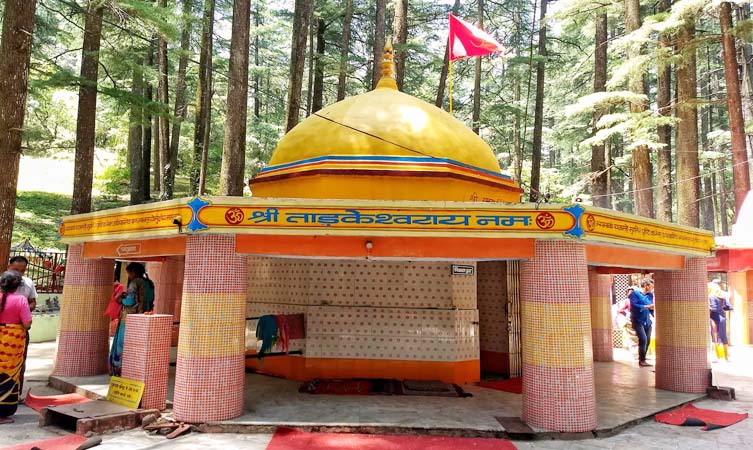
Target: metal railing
x,y
46,269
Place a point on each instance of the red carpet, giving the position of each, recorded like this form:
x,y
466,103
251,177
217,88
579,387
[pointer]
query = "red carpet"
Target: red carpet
x,y
38,402
689,415
291,439
514,385
70,442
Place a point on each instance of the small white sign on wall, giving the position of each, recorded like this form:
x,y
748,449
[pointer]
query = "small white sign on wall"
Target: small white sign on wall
x,y
459,269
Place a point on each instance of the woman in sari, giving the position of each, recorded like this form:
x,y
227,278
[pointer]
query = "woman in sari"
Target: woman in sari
x,y
15,319
132,301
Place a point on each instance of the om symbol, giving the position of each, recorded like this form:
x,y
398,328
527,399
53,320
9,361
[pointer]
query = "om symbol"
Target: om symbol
x,y
545,220
234,216
590,222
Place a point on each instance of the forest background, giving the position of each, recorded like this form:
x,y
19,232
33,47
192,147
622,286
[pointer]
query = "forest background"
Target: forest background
x,y
625,104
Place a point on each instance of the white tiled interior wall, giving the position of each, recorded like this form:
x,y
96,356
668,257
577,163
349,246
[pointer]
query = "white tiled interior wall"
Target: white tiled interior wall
x,y
370,309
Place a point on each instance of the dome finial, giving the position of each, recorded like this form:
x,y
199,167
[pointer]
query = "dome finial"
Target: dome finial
x,y
388,69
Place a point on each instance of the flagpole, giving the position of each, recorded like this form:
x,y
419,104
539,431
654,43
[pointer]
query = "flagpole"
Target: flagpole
x,y
449,75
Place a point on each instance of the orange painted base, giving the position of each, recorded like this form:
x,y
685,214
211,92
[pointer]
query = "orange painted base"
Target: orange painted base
x,y
495,362
303,369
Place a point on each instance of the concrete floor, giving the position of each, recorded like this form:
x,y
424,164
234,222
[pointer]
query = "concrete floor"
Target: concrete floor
x,y
648,435
625,393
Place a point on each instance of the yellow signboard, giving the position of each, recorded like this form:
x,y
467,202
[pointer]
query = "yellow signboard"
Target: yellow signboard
x,y
611,227
124,221
409,219
125,392
235,215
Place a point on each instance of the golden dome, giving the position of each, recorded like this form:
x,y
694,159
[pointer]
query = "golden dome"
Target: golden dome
x,y
385,145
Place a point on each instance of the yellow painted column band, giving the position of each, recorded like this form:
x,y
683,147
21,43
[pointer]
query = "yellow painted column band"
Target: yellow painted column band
x,y
601,315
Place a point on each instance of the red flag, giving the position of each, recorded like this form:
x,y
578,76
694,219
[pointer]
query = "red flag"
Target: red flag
x,y
467,40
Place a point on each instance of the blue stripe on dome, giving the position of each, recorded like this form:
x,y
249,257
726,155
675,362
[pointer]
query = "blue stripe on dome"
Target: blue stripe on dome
x,y
385,158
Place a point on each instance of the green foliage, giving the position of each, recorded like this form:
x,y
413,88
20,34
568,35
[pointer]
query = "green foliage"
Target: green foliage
x,y
114,182
37,214
569,131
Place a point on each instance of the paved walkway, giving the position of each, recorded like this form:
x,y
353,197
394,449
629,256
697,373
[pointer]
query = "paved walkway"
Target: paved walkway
x,y
648,435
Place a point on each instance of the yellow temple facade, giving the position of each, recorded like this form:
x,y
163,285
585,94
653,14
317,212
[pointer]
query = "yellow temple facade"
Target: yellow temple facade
x,y
389,225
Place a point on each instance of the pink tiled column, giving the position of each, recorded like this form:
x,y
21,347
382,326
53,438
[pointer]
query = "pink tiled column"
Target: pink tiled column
x,y
146,355
168,283
211,350
83,343
601,315
682,328
154,272
558,377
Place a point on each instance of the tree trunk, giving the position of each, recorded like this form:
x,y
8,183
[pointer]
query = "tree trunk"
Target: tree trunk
x,y
643,192
318,94
312,59
257,94
707,201
538,120
180,92
297,61
379,36
234,147
477,77
664,155
147,131
203,100
135,137
517,145
740,173
87,111
687,131
723,199
610,176
347,20
400,36
445,65
746,55
163,132
598,163
15,53
156,157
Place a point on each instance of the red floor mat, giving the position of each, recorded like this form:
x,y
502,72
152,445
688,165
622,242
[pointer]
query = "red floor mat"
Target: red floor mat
x,y
291,439
38,402
514,385
689,415
70,442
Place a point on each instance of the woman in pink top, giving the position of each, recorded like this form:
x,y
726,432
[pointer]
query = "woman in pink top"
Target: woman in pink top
x,y
15,319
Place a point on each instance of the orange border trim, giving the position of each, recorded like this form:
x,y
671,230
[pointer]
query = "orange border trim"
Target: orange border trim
x,y
137,248
384,247
303,369
628,257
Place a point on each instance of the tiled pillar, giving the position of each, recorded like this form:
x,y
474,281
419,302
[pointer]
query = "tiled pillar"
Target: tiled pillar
x,y
558,377
83,343
211,350
146,355
168,283
154,272
682,328
601,315
737,323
